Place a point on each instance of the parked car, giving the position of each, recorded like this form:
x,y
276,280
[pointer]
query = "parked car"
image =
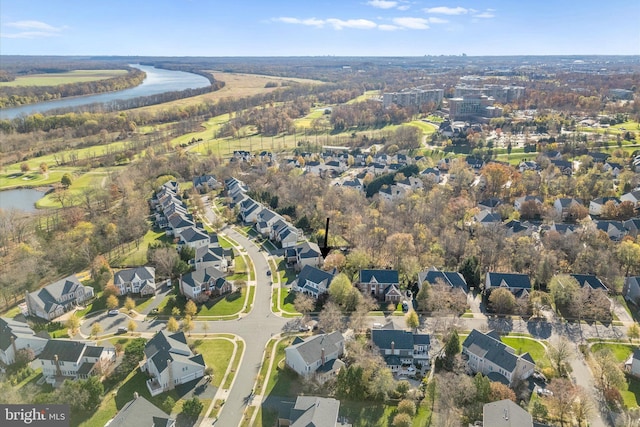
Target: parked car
x,y
113,312
544,392
122,330
268,272
154,311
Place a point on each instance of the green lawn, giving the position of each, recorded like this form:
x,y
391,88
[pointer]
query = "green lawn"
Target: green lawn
x,y
620,351
224,306
55,79
368,414
139,255
282,382
533,347
252,293
265,366
234,366
631,396
217,355
286,301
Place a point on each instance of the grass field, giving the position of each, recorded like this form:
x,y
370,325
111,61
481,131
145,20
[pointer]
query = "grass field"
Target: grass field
x,y
620,351
533,347
55,79
217,355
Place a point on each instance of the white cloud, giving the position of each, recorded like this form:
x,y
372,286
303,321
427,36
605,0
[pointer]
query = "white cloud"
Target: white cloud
x,y
434,20
485,15
360,24
32,30
445,10
311,22
412,23
404,7
387,27
382,4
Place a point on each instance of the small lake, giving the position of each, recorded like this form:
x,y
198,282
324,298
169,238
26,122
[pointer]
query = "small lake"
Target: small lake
x,y
157,81
23,199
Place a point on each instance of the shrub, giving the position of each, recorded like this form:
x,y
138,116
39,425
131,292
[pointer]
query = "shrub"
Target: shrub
x,y
407,406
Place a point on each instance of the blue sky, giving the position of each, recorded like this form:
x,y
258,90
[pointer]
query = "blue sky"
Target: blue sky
x,y
319,27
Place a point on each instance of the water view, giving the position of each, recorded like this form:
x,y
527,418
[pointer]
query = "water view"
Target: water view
x,y
23,199
158,81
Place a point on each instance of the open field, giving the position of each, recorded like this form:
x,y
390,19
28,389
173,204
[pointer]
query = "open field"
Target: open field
x,y
533,347
55,79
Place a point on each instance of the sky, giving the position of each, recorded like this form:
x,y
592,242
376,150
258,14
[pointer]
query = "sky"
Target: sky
x,y
319,27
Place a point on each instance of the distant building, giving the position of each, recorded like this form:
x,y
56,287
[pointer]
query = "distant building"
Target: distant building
x,y
415,97
311,411
141,413
502,94
620,94
476,108
16,335
505,413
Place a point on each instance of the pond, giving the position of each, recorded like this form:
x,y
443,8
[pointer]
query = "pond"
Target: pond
x,y
23,199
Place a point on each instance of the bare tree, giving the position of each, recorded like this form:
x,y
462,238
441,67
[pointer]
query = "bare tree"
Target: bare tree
x,y
330,318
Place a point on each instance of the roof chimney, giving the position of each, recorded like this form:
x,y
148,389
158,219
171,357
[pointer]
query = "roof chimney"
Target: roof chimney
x,y
322,356
135,395
393,346
57,363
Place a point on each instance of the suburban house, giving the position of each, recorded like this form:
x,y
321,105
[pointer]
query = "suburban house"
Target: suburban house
x,y
203,283
57,298
307,253
382,285
211,256
613,229
403,351
65,359
204,183
632,196
591,281
518,284
170,362
564,206
506,413
486,218
193,237
633,363
596,205
490,356
139,280
631,289
316,356
434,276
141,413
311,411
16,335
517,204
632,227
490,204
312,281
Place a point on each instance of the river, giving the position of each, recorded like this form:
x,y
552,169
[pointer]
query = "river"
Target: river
x,y
157,81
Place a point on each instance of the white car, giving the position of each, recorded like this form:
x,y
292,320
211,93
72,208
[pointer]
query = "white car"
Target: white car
x,y
113,312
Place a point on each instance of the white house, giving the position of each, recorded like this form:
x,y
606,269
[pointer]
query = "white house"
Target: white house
x,y
315,353
57,298
17,335
65,359
596,205
210,256
633,364
490,356
312,281
193,237
170,362
138,280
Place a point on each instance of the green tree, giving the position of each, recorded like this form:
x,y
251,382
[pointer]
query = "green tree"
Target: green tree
x,y
412,320
190,308
539,411
401,420
134,351
340,289
94,390
483,388
407,406
192,408
112,302
452,346
628,254
470,270
563,289
422,297
502,301
633,332
175,311
66,180
168,404
172,324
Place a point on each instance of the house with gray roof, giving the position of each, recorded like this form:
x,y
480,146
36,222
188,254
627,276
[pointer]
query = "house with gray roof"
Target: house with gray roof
x,y
590,281
565,205
177,222
633,197
505,413
66,359
170,362
193,237
433,276
16,335
212,256
307,356
403,351
487,354
57,298
597,205
205,182
631,289
307,253
613,229
517,204
517,284
383,285
139,412
204,283
138,280
633,363
312,281
632,227
311,411
487,218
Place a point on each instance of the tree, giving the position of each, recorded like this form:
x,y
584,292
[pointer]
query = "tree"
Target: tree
x,y
633,332
134,351
401,420
66,180
24,167
94,390
563,289
628,254
340,289
539,411
502,301
470,270
564,393
333,260
73,324
110,290
190,308
500,391
303,303
330,318
95,329
23,357
172,324
132,326
165,259
452,346
43,168
582,407
187,324
129,304
168,404
112,302
407,406
192,408
412,320
607,372
175,311
559,352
